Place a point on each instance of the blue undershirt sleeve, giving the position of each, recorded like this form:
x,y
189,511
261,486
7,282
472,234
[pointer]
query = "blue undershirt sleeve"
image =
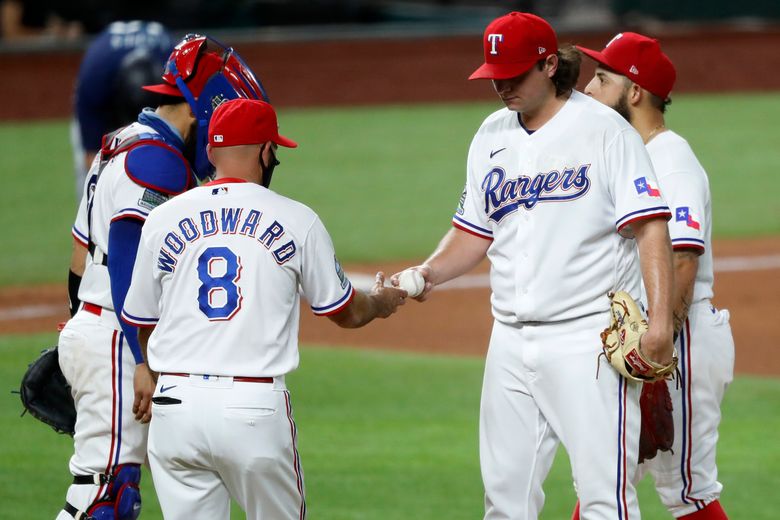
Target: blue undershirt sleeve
x,y
124,236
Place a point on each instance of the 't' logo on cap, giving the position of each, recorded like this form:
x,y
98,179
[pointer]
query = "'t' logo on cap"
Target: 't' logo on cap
x,y
494,39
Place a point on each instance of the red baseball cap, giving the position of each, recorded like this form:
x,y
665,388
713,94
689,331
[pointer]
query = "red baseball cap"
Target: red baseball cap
x,y
245,121
640,59
513,43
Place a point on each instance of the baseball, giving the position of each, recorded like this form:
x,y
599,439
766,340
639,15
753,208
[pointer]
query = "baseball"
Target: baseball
x,y
412,282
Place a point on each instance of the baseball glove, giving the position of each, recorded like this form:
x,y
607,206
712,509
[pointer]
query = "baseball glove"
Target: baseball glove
x,y
657,424
621,342
46,394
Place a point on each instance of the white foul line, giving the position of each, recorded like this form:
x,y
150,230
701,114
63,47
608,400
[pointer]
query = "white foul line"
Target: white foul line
x,y
365,281
746,263
29,312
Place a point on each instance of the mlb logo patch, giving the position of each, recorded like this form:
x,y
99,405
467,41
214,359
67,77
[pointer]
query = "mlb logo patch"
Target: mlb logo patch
x,y
218,138
642,186
683,214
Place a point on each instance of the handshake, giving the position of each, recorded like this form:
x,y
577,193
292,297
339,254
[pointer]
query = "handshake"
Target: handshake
x,y
382,300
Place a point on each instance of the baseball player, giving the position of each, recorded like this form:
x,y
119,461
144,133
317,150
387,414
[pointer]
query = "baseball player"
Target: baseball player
x,y
559,195
119,61
635,78
139,166
217,281
108,95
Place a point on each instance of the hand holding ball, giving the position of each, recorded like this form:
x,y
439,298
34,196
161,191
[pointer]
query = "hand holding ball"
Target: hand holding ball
x,y
412,282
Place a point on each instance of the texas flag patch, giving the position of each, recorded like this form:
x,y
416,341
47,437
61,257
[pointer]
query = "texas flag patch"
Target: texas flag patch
x,y
683,214
642,186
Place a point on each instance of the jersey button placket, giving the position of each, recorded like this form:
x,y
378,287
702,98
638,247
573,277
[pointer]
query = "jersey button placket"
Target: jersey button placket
x,y
524,268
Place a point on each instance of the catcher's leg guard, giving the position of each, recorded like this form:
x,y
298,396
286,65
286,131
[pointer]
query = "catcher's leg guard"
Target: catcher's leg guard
x,y
122,500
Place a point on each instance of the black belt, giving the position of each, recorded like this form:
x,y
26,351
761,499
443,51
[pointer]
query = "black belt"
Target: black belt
x,y
92,248
238,379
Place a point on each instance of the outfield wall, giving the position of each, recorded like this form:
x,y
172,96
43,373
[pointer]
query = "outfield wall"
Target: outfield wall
x,y
369,70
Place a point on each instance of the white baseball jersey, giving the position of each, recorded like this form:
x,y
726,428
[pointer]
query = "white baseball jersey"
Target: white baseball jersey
x,y
557,208
219,268
118,197
686,477
686,188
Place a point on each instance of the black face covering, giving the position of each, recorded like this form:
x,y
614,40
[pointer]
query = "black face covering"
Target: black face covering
x,y
191,144
267,171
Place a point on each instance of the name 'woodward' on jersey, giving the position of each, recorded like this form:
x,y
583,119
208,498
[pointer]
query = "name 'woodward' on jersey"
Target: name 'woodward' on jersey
x,y
223,259
226,221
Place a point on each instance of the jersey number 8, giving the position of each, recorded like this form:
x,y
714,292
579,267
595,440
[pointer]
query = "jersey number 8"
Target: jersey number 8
x,y
219,298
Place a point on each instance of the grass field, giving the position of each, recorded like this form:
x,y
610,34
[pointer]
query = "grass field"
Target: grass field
x,y
385,180
390,436
383,435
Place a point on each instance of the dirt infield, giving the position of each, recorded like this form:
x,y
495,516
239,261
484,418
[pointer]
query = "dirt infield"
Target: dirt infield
x,y
458,321
377,71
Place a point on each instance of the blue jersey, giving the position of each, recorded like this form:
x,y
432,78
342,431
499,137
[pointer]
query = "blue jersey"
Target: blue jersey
x,y
94,99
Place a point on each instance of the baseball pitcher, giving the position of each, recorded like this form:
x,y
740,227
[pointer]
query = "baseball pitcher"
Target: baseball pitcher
x,y
560,194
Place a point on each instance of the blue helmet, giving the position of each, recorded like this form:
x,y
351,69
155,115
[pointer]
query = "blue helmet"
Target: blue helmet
x,y
206,73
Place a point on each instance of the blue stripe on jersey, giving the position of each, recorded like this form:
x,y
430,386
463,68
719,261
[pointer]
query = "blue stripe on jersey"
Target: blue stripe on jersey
x,y
642,212
694,240
326,308
81,237
137,320
472,226
130,212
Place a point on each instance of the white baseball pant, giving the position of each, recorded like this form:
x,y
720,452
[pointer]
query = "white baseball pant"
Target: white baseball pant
x,y
541,388
687,479
225,439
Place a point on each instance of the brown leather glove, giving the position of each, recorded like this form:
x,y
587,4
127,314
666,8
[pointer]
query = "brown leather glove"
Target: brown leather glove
x,y
657,423
621,342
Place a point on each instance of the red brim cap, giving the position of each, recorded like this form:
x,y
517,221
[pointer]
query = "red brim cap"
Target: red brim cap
x,y
285,141
640,59
501,70
512,44
163,88
245,121
596,55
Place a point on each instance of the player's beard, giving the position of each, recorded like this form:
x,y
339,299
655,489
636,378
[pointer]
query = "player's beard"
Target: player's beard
x,y
621,106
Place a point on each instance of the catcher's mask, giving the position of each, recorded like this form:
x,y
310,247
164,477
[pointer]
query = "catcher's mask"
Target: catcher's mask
x,y
206,73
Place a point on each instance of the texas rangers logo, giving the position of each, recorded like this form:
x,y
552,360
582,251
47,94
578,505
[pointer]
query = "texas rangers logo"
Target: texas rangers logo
x,y
642,186
683,214
494,39
504,196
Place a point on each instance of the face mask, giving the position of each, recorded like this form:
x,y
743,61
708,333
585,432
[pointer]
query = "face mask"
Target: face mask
x,y
267,171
